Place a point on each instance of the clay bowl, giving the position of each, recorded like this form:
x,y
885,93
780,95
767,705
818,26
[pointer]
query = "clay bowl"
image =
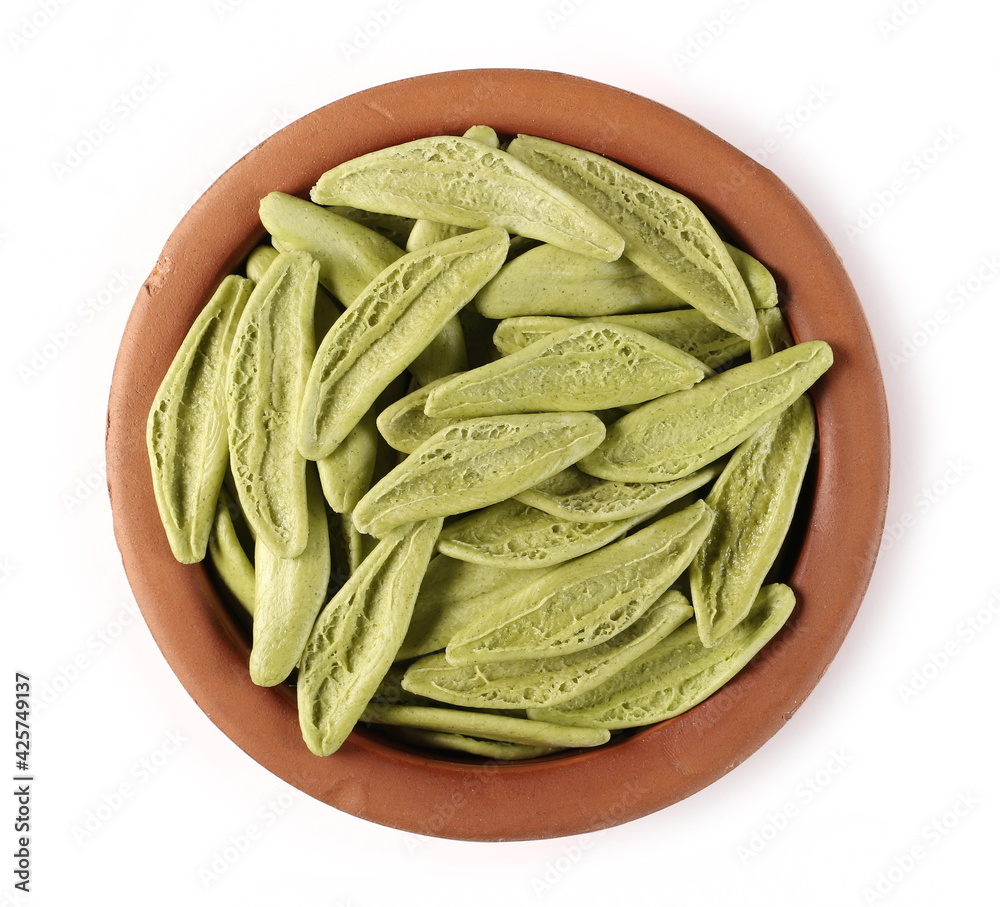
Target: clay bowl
x,y
831,560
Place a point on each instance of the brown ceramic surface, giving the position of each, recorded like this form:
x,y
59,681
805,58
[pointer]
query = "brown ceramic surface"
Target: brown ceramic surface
x,y
454,796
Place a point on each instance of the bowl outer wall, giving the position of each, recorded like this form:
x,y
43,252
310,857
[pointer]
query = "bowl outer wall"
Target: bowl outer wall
x,y
462,798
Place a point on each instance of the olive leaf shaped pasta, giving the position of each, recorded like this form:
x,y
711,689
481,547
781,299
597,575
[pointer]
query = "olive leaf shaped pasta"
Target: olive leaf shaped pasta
x,y
270,358
186,426
462,181
665,233
385,328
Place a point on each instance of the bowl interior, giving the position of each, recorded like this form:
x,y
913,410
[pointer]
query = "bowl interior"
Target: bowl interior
x,y
835,541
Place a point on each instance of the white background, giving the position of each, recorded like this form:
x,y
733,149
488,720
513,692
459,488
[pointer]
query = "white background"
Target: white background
x,y
882,115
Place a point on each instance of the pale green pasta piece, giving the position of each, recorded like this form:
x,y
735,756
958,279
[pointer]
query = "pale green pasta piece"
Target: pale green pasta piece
x,y
270,358
758,279
328,310
772,334
464,182
687,329
485,134
427,232
476,463
357,634
548,280
405,426
386,327
754,501
543,682
574,495
484,725
585,367
259,260
453,594
488,749
349,255
390,689
514,535
445,354
348,546
289,593
665,233
346,473
228,556
586,601
186,426
396,229
673,436
676,674
244,531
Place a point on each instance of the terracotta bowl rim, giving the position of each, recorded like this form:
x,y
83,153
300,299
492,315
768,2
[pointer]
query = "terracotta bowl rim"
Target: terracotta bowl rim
x,y
464,798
